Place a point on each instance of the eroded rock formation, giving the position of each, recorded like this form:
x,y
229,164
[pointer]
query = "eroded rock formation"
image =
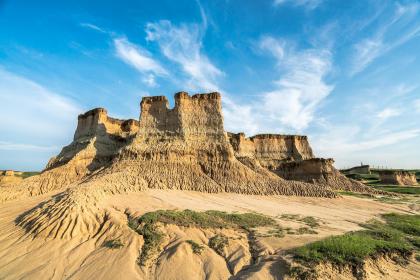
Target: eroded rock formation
x,y
186,147
9,177
397,177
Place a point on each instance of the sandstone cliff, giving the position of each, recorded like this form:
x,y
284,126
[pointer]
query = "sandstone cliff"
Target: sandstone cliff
x,y
185,147
96,142
397,177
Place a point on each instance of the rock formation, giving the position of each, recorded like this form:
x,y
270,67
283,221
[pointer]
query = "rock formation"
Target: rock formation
x,y
9,177
186,148
291,158
397,177
96,142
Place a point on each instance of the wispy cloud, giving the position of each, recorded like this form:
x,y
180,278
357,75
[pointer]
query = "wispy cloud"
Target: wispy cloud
x,y
140,59
31,113
183,45
417,105
92,27
348,139
308,4
400,28
302,86
387,113
8,146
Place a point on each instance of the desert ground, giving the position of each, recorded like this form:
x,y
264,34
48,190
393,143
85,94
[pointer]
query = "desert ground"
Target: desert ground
x,y
24,257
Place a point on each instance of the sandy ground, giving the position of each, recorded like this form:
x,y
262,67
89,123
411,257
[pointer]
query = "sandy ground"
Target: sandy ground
x,y
23,257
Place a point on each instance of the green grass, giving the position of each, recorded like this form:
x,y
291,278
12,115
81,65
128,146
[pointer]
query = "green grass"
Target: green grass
x,y
208,219
402,190
408,224
399,234
218,243
196,248
113,244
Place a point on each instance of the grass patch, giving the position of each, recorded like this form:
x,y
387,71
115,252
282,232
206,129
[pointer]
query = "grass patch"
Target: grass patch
x,y
152,237
276,232
399,234
218,243
208,219
113,244
408,224
196,248
310,221
305,230
402,190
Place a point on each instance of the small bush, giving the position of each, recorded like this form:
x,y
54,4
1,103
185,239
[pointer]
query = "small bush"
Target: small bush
x,y
310,221
305,230
218,243
113,244
196,248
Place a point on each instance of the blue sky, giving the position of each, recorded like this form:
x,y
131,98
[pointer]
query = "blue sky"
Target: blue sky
x,y
346,73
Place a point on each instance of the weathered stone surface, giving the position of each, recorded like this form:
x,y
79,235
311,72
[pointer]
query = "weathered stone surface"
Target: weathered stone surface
x,y
397,177
184,147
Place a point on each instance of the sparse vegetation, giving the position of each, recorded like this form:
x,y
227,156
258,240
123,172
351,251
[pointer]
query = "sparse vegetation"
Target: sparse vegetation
x,y
394,236
208,219
218,243
304,230
113,244
148,226
402,190
310,221
196,248
276,232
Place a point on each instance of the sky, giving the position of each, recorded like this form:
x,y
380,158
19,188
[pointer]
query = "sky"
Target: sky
x,y
345,73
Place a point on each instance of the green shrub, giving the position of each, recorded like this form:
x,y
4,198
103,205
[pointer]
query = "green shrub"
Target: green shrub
x,y
113,244
196,248
218,243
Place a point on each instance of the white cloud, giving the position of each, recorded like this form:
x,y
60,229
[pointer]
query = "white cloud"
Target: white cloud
x,y
400,28
8,146
30,113
140,59
417,105
388,113
302,86
308,4
92,26
182,45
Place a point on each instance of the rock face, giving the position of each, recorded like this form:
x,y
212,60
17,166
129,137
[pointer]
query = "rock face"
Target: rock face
x,y
96,142
271,149
186,148
291,158
397,177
